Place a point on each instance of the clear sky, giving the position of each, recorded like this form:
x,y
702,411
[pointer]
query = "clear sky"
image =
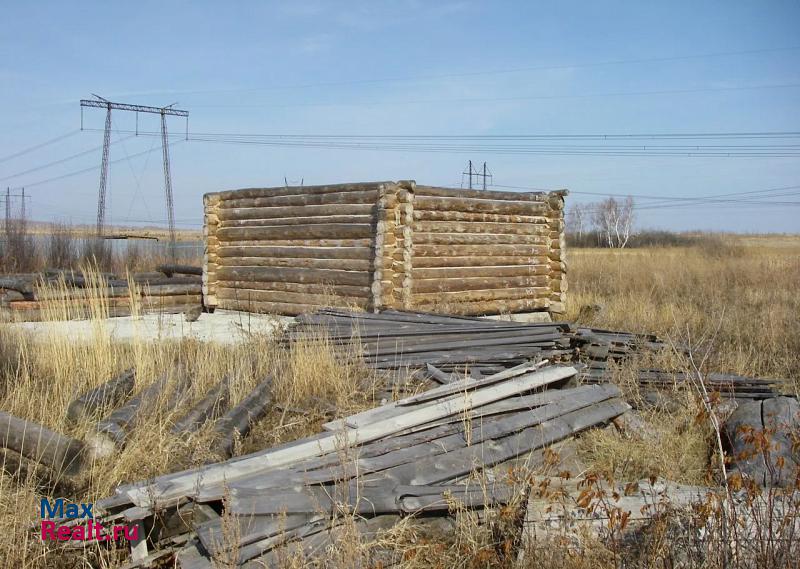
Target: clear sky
x,y
402,68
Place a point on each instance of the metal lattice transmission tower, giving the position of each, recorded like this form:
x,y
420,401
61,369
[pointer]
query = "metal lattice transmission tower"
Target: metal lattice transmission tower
x,y
102,103
168,184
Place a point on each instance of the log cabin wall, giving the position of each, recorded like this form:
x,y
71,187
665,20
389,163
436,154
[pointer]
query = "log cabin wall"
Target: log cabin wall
x,y
384,245
485,252
291,250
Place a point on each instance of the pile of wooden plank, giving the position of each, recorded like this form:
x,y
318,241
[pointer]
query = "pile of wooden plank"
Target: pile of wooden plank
x,y
442,345
422,455
395,339
66,294
601,349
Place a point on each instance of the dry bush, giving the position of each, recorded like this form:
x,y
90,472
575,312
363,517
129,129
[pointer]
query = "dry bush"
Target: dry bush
x,y
62,251
18,250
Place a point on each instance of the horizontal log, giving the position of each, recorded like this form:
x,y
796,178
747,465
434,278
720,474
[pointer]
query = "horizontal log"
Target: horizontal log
x,y
435,215
222,197
481,308
479,227
117,292
480,194
301,243
148,302
468,205
170,270
36,315
291,212
281,222
478,283
305,288
8,295
482,271
170,290
286,274
98,400
23,284
147,276
348,198
290,232
322,299
477,250
54,305
479,260
476,239
477,295
296,252
40,444
283,308
302,262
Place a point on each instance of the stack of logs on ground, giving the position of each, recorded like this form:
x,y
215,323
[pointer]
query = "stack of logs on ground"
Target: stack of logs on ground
x,y
384,245
58,295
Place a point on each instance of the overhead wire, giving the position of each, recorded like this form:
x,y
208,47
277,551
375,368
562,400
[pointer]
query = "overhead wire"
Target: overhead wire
x,y
59,161
40,145
91,168
489,72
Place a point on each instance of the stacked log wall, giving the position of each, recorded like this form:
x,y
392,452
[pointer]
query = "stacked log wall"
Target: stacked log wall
x,y
485,252
294,249
384,245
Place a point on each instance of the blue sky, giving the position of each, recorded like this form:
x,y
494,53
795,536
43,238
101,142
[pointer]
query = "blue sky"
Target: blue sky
x,y
401,68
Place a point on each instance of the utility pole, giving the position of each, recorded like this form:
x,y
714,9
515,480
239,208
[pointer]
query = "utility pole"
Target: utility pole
x,y
467,173
8,209
100,102
477,174
22,208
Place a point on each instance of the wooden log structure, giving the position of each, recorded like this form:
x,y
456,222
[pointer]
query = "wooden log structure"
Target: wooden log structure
x,y
62,294
390,244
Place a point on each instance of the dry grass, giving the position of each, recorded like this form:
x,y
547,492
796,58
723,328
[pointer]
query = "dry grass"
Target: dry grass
x,y
739,303
738,300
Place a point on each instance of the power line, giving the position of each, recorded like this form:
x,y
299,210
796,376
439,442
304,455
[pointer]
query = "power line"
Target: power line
x,y
732,199
93,168
60,161
432,144
545,136
511,70
514,98
38,146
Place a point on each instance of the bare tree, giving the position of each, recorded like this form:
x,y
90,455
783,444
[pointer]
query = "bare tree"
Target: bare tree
x,y
578,219
613,219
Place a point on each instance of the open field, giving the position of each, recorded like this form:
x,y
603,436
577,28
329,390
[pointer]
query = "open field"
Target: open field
x,y
735,297
734,300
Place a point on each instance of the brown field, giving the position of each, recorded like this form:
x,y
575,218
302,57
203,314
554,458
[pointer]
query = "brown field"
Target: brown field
x,y
734,299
